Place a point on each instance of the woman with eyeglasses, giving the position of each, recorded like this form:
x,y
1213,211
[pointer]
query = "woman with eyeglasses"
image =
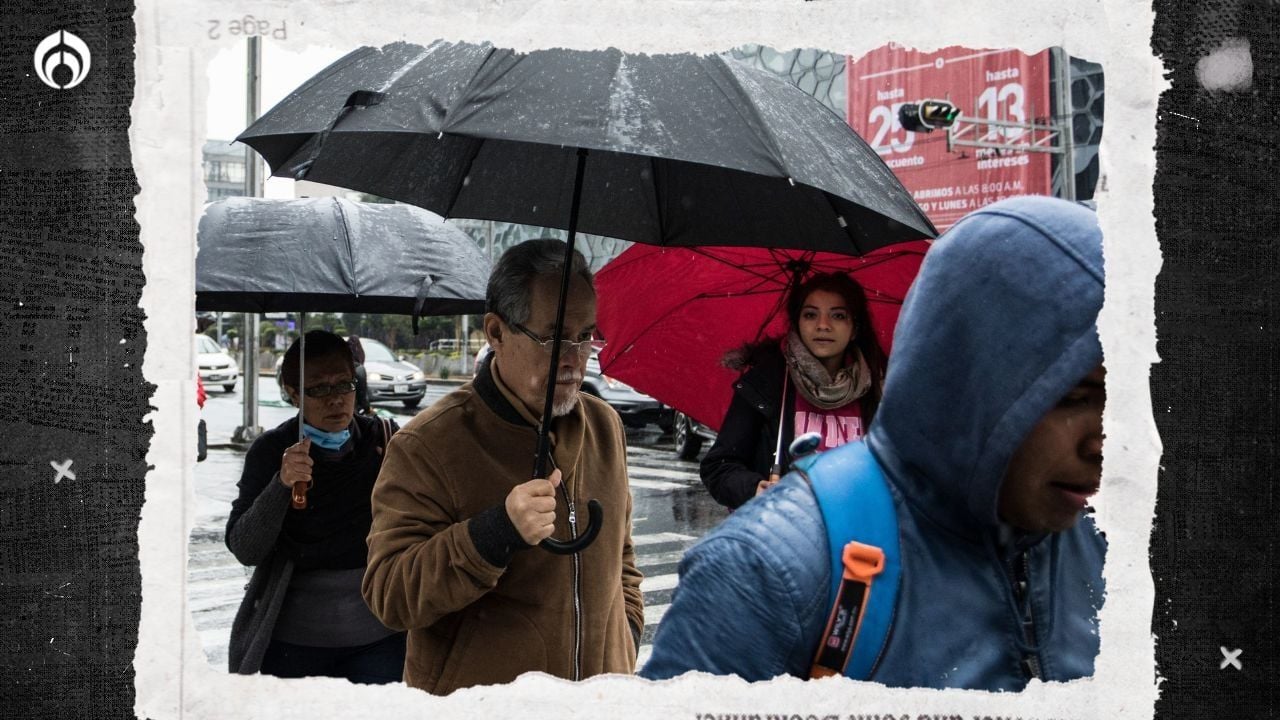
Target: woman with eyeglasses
x,y
824,376
303,613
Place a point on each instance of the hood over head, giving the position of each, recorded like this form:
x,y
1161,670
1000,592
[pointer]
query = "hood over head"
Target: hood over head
x,y
1000,324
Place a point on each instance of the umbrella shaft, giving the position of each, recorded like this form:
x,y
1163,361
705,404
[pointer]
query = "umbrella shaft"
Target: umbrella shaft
x,y
544,429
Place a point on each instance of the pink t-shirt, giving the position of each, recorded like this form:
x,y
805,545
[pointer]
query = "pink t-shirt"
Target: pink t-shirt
x,y
839,426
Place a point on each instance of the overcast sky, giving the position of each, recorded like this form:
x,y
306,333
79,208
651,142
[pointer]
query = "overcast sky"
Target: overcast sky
x,y
282,71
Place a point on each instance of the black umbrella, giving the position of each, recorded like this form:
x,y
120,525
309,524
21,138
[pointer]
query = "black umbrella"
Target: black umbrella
x,y
334,255
662,149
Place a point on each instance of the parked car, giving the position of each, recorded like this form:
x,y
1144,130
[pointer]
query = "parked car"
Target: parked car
x,y
689,435
634,407
215,366
390,379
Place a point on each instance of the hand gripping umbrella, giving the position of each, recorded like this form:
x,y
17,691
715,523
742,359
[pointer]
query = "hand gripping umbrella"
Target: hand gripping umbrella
x,y
660,149
334,255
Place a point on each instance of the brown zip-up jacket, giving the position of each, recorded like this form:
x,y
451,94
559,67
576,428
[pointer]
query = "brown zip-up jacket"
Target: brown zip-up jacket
x,y
446,564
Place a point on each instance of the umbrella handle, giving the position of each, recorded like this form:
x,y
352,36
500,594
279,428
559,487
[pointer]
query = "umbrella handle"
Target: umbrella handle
x,y
299,495
594,521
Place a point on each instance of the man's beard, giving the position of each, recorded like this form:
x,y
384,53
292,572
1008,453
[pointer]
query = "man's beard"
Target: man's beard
x,y
562,408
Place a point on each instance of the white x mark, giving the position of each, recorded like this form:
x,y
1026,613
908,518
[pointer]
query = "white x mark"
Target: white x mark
x,y
64,470
1231,658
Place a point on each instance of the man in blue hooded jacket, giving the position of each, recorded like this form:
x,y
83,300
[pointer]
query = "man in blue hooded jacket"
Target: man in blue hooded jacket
x,y
990,439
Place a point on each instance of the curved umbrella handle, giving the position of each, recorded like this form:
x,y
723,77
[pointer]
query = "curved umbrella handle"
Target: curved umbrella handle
x,y
595,520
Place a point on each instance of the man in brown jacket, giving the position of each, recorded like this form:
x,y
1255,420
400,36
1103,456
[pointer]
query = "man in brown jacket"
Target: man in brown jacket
x,y
455,515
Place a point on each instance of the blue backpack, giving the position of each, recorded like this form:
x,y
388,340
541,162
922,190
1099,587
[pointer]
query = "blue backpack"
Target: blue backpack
x,y
866,561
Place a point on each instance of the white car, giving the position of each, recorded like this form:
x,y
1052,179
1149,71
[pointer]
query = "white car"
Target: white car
x,y
215,365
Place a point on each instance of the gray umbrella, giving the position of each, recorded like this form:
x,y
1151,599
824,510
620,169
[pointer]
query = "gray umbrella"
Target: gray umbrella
x,y
334,255
662,149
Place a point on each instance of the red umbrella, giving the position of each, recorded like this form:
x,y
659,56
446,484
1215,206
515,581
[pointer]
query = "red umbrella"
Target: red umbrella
x,y
671,314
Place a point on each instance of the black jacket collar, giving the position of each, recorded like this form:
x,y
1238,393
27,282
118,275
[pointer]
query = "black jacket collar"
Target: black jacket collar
x,y
487,388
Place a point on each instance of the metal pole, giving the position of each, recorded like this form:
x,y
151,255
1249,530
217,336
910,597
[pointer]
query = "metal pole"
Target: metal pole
x,y
466,342
1062,118
302,371
249,430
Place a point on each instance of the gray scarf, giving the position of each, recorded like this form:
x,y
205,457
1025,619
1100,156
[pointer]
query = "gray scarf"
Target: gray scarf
x,y
816,384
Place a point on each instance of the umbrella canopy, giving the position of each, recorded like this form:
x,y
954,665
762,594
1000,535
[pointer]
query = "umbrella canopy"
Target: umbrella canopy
x,y
671,314
335,255
682,149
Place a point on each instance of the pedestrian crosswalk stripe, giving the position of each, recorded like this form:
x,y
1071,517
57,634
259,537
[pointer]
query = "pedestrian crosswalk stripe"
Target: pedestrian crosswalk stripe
x,y
659,582
663,558
663,472
653,614
636,482
643,656
655,538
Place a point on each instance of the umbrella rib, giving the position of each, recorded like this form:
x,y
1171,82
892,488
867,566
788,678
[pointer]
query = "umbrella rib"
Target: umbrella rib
x,y
449,119
462,180
707,254
755,122
848,226
351,253
657,201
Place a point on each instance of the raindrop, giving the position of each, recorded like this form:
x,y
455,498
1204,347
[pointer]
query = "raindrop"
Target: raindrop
x,y
840,219
791,181
440,135
466,181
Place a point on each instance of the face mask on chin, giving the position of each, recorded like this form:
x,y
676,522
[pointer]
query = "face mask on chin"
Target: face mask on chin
x,y
327,440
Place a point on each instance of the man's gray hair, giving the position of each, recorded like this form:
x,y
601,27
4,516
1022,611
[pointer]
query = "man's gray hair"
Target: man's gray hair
x,y
511,281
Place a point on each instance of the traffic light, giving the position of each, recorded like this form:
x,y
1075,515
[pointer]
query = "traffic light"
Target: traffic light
x,y
927,115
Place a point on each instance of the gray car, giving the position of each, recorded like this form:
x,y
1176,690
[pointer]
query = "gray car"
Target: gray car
x,y
391,379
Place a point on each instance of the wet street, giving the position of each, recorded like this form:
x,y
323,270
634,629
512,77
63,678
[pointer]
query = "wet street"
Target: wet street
x,y
671,510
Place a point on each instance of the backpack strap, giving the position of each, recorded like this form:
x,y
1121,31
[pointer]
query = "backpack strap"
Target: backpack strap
x,y
862,533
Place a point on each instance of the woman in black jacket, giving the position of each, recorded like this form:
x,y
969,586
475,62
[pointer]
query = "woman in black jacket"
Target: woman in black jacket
x,y
826,373
303,613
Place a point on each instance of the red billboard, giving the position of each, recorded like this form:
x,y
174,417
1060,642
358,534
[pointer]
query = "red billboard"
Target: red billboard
x,y
1000,85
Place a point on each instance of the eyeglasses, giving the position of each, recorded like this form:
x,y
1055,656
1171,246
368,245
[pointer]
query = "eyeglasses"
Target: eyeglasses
x,y
584,345
341,388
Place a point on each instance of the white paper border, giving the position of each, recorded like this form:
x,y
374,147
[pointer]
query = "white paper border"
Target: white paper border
x,y
173,679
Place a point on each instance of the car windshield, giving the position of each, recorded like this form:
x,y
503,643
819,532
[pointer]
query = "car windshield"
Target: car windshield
x,y
205,344
375,351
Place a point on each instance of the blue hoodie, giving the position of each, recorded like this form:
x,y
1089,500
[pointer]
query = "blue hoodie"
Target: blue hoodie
x,y
999,325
